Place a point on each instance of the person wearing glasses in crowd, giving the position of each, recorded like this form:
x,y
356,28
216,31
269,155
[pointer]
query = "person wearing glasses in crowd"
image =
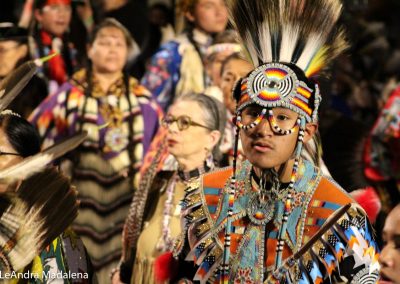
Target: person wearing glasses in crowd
x,y
14,51
66,253
194,123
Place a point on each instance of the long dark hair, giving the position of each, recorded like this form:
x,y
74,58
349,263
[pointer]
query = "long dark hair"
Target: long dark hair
x,y
22,136
89,89
65,52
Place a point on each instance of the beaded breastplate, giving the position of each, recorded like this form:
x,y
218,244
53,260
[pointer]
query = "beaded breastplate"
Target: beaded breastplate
x,y
253,240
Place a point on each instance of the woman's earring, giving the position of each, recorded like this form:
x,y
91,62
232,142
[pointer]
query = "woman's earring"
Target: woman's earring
x,y
209,158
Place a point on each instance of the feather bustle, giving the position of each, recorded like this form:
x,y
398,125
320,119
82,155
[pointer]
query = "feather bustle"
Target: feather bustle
x,y
42,208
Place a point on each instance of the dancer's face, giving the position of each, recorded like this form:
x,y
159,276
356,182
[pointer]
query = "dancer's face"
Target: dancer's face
x,y
266,149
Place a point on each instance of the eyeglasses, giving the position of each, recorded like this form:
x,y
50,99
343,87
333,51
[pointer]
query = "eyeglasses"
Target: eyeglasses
x,y
183,122
8,153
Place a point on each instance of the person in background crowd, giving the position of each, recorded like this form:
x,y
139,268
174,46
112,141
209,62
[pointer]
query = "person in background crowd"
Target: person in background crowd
x,y
153,220
66,254
233,68
390,255
382,153
178,67
14,51
223,46
105,166
50,32
179,63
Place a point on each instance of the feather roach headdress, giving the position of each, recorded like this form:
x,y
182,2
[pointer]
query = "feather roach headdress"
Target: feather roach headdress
x,y
289,42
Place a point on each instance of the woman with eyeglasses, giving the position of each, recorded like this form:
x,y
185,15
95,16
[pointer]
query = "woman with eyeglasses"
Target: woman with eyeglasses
x,y
194,123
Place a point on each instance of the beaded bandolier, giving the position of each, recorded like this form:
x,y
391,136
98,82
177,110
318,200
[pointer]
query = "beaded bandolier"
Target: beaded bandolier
x,y
241,228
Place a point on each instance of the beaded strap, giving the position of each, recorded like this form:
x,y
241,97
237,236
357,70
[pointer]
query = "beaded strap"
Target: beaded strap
x,y
289,197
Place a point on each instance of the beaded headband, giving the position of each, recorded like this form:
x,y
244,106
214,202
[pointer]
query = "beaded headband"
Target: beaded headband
x,y
9,112
277,85
222,47
58,2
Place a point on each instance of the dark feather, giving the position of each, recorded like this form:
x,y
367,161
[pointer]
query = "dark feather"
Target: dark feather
x,y
14,82
330,222
42,208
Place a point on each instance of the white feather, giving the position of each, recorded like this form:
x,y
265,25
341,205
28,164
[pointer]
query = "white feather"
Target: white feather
x,y
249,45
265,39
29,227
290,35
26,168
314,43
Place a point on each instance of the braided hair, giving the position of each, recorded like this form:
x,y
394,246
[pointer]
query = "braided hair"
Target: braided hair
x,y
65,52
89,88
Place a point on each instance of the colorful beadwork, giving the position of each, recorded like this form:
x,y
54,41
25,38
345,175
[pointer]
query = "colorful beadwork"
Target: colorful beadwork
x,y
276,85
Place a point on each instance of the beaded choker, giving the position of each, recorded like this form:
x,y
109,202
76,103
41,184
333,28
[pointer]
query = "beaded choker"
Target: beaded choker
x,y
268,184
188,175
261,208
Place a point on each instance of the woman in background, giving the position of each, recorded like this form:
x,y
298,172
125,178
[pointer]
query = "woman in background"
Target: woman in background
x,y
178,67
104,167
153,222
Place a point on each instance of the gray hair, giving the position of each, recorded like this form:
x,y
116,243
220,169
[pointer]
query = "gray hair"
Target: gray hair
x,y
214,114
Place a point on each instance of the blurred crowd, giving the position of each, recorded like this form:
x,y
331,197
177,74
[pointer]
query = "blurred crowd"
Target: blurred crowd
x,y
123,66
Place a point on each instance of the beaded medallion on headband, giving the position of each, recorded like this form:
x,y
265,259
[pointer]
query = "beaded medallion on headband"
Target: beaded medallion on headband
x,y
277,85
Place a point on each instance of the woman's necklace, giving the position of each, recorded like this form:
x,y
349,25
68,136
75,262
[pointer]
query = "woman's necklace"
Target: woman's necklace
x,y
115,138
165,243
